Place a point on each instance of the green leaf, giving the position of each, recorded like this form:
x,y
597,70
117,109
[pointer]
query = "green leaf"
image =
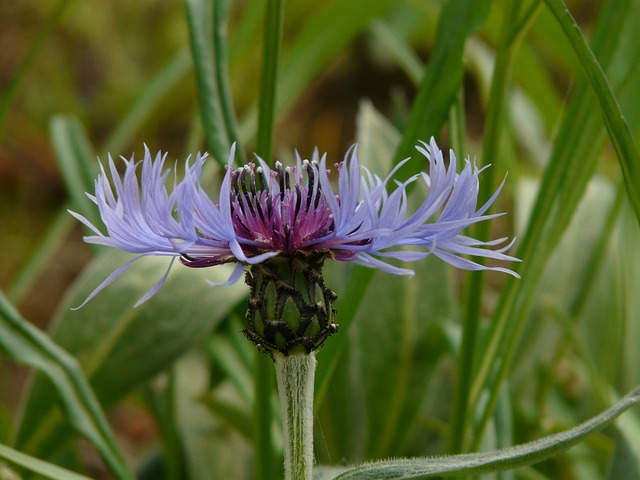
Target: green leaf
x,y
272,41
572,163
504,459
441,81
199,18
383,378
120,347
26,344
315,47
76,161
212,450
625,464
619,132
48,470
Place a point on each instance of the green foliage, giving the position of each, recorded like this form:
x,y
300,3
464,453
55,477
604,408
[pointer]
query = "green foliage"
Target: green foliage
x,y
421,367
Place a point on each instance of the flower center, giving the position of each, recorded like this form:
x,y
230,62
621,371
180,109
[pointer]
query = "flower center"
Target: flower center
x,y
280,213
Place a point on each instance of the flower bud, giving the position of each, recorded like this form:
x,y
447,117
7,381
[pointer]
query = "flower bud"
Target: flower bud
x,y
290,310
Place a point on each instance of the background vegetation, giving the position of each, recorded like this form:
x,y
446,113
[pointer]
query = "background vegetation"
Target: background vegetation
x,y
441,363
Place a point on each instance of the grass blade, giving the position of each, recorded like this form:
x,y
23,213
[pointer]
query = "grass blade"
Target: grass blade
x,y
24,343
76,160
198,15
274,15
46,469
503,459
572,163
220,14
441,81
263,372
619,132
496,111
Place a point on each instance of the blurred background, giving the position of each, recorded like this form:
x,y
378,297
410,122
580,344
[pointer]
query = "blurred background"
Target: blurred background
x,y
95,61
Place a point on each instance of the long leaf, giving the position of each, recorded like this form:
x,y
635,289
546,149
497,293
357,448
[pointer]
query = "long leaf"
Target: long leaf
x,y
121,347
48,470
198,19
439,87
26,344
315,47
76,161
503,459
619,132
571,165
471,319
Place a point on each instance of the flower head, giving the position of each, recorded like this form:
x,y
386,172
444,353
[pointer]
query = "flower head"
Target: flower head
x,y
292,212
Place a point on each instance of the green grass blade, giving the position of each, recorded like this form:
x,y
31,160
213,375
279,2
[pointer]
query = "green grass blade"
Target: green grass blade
x,y
35,465
220,14
496,111
315,47
571,165
198,20
161,400
619,132
26,344
76,161
158,88
441,81
503,459
105,335
272,40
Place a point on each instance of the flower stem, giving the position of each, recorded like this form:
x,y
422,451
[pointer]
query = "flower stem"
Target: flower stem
x,y
296,374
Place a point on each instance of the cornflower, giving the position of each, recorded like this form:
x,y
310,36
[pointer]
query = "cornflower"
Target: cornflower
x,y
283,223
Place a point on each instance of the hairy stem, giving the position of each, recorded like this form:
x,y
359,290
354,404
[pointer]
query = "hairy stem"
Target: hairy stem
x,y
296,374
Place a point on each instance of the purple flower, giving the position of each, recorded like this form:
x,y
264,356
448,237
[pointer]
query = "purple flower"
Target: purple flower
x,y
262,213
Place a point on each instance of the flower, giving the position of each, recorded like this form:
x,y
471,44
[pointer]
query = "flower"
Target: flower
x,y
286,212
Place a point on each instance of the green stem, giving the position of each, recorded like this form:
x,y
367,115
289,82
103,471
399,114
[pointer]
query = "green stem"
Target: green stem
x,y
295,386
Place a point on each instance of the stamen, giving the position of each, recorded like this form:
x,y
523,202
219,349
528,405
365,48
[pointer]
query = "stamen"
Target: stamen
x,y
318,195
269,205
298,202
280,179
287,236
243,182
263,181
236,189
259,207
252,183
234,177
287,178
310,182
